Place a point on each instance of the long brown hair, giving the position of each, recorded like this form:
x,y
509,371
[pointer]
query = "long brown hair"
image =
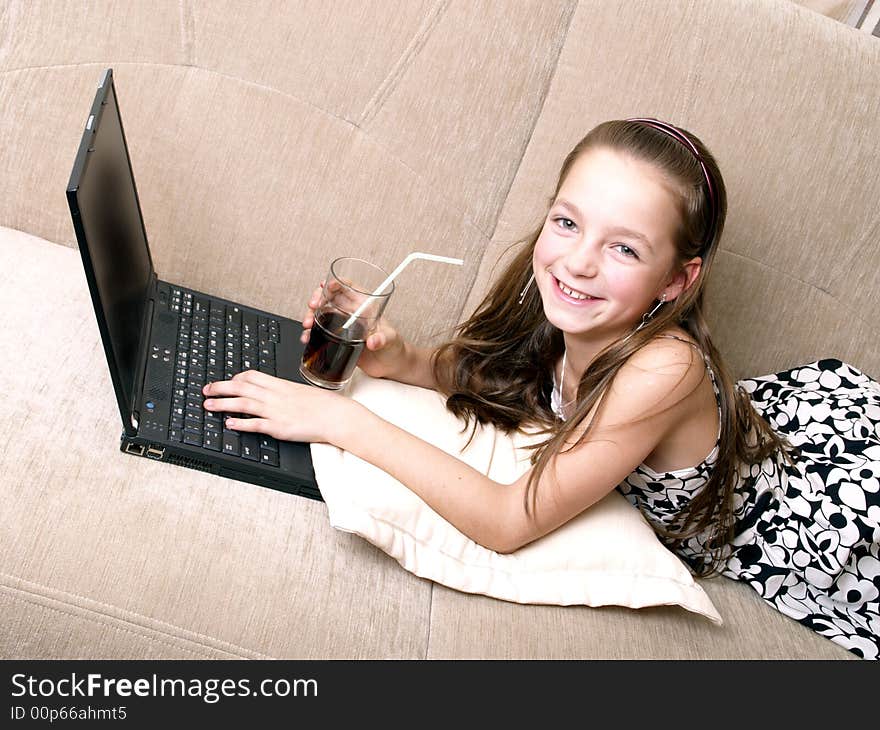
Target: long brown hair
x,y
497,369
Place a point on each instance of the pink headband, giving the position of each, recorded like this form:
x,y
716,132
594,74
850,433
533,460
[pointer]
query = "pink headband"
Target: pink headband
x,y
682,138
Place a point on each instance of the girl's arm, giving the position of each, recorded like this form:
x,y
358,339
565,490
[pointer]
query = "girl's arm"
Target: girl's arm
x,y
415,367
650,395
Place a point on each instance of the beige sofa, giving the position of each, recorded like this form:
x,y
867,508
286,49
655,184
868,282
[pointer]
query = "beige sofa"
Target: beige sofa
x,y
268,138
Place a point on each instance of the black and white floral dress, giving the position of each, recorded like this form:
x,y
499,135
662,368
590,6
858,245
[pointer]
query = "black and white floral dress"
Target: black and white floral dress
x,y
807,535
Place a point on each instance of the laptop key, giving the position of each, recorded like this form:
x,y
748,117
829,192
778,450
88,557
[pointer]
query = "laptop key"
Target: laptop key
x,y
212,440
233,316
269,457
191,438
175,434
268,442
231,443
250,446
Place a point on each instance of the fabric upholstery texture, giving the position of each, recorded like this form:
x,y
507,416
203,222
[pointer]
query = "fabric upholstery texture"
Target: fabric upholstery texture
x,y
173,561
262,149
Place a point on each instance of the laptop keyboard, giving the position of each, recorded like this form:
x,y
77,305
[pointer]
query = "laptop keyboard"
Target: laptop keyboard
x,y
214,342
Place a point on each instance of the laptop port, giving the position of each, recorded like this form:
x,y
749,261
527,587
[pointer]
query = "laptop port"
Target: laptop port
x,y
155,453
133,448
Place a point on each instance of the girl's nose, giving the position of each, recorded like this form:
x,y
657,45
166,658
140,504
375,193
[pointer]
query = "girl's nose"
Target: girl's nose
x,y
583,259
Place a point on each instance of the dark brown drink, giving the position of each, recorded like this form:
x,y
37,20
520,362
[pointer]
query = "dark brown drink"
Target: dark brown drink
x,y
330,356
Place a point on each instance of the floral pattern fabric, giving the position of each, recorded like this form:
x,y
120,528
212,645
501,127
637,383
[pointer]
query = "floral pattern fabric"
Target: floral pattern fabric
x,y
807,535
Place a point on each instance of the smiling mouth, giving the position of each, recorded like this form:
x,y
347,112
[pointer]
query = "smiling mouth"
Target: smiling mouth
x,y
574,294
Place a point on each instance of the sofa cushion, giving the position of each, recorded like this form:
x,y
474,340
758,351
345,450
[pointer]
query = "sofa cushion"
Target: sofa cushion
x,y
607,555
470,626
280,147
106,555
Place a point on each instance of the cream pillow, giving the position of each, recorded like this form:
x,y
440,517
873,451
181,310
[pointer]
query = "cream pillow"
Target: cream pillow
x,y
608,555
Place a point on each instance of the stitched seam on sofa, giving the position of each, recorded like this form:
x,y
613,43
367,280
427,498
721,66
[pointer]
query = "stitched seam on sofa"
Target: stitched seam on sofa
x,y
460,210
247,82
389,83
495,569
187,30
69,245
430,614
858,251
45,592
692,73
851,312
528,139
107,624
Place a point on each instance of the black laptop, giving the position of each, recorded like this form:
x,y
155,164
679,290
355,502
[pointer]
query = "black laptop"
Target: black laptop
x,y
163,342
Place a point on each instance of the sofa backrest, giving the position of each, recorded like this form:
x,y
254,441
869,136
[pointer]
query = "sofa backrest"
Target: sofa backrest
x,y
269,138
789,102
268,141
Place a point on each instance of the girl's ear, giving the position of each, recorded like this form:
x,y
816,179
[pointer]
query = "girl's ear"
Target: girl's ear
x,y
684,279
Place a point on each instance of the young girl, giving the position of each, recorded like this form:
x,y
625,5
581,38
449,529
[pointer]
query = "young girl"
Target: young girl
x,y
596,333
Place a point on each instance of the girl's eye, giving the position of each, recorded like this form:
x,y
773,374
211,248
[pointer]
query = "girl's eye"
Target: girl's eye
x,y
566,223
626,250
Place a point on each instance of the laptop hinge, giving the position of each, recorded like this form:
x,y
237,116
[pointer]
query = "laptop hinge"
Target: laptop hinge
x,y
143,345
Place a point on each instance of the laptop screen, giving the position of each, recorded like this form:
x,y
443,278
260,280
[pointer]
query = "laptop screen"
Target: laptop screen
x,y
112,232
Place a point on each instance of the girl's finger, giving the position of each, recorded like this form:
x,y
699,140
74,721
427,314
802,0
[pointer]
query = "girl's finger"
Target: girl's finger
x,y
376,341
234,405
268,386
315,298
261,380
229,388
257,425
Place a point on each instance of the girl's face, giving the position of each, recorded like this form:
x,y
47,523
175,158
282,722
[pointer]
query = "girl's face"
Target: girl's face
x,y
606,250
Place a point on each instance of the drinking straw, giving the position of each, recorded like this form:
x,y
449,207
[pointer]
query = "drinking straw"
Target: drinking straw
x,y
400,267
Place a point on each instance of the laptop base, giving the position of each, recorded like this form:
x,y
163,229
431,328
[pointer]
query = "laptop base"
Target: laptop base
x,y
180,456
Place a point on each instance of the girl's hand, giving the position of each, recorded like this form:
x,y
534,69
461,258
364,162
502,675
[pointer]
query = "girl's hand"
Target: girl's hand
x,y
308,319
288,411
384,352
385,349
